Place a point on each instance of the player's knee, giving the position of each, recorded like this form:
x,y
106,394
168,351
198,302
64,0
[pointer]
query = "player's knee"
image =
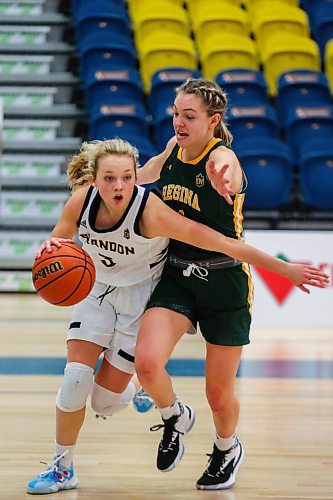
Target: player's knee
x,y
146,366
75,388
220,400
107,403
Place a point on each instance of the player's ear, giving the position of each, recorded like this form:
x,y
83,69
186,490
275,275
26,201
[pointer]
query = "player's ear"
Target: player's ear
x,y
92,182
215,119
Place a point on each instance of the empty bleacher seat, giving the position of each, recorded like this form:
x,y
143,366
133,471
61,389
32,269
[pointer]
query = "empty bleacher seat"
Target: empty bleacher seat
x,y
116,6
89,20
316,174
288,52
159,17
108,121
322,24
328,61
105,52
33,170
31,208
163,126
113,87
243,86
134,6
164,50
210,17
269,18
268,166
302,124
194,5
253,5
221,51
256,121
302,87
163,86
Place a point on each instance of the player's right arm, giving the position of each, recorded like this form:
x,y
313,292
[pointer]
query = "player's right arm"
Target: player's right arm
x,y
66,226
151,170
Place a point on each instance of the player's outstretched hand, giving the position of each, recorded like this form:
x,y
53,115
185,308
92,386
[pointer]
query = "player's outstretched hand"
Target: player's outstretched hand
x,y
303,274
53,241
219,180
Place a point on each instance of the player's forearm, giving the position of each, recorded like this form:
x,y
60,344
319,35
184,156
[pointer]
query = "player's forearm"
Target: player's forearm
x,y
208,239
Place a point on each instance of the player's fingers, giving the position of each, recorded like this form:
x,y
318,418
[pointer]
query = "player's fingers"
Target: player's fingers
x,y
304,289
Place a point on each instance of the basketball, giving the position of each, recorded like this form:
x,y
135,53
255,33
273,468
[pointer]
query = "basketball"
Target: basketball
x,y
65,276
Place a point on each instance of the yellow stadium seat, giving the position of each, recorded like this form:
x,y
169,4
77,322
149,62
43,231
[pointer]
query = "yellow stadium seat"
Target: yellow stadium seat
x,y
222,51
210,17
270,18
135,5
193,5
288,52
328,60
163,50
252,5
157,18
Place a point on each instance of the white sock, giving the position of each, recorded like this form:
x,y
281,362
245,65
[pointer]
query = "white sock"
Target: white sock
x,y
59,449
170,411
224,444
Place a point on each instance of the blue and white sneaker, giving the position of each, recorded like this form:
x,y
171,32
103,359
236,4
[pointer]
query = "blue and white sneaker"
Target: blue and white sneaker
x,y
55,478
142,402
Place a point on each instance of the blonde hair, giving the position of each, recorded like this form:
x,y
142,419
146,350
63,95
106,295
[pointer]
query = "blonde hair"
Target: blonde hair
x,y
214,100
84,165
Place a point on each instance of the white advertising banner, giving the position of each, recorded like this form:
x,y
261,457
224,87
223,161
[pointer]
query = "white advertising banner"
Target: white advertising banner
x,y
276,300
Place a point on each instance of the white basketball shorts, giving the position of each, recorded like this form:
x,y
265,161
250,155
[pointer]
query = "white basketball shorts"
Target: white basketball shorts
x,y
110,317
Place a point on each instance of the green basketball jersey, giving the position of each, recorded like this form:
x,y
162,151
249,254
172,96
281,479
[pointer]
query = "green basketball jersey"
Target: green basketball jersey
x,y
186,189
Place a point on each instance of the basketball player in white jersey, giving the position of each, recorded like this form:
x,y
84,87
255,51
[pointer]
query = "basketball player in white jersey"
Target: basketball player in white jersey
x,y
125,228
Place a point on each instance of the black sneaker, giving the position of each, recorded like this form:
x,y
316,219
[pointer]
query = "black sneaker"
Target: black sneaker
x,y
171,447
222,468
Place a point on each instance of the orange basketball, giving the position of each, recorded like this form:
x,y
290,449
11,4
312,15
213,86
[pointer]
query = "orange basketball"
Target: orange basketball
x,y
65,276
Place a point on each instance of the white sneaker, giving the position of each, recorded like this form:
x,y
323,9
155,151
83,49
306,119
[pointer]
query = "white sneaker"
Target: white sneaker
x,y
171,448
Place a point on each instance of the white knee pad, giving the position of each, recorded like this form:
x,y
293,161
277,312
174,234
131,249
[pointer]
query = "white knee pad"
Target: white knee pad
x,y
75,388
107,403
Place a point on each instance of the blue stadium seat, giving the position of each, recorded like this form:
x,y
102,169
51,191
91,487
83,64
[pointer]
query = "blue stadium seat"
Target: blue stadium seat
x,y
106,52
302,87
100,6
248,120
243,86
306,123
268,166
109,121
322,23
89,21
163,127
163,85
113,87
316,175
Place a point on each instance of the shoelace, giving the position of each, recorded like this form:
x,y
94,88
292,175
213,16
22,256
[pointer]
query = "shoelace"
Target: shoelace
x,y
53,466
199,272
215,465
170,433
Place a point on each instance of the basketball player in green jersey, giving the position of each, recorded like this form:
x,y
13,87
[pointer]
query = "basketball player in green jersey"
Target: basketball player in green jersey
x,y
200,177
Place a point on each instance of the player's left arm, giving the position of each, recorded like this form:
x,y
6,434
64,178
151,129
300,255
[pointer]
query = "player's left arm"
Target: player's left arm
x,y
160,220
224,172
66,227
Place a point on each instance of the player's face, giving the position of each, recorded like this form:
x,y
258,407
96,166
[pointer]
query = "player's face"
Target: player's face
x,y
193,126
115,179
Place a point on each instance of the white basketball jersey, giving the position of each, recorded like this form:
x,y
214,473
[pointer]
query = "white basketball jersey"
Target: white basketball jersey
x,y
121,255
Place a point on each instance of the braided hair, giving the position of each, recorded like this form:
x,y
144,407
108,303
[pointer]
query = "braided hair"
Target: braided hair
x,y
214,100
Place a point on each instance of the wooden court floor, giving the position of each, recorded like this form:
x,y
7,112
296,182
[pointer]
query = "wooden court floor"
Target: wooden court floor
x,y
285,386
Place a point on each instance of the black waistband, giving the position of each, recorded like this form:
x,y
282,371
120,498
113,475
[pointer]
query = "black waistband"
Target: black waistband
x,y
214,263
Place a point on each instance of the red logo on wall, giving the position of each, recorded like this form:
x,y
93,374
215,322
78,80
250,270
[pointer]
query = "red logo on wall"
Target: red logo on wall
x,y
279,286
